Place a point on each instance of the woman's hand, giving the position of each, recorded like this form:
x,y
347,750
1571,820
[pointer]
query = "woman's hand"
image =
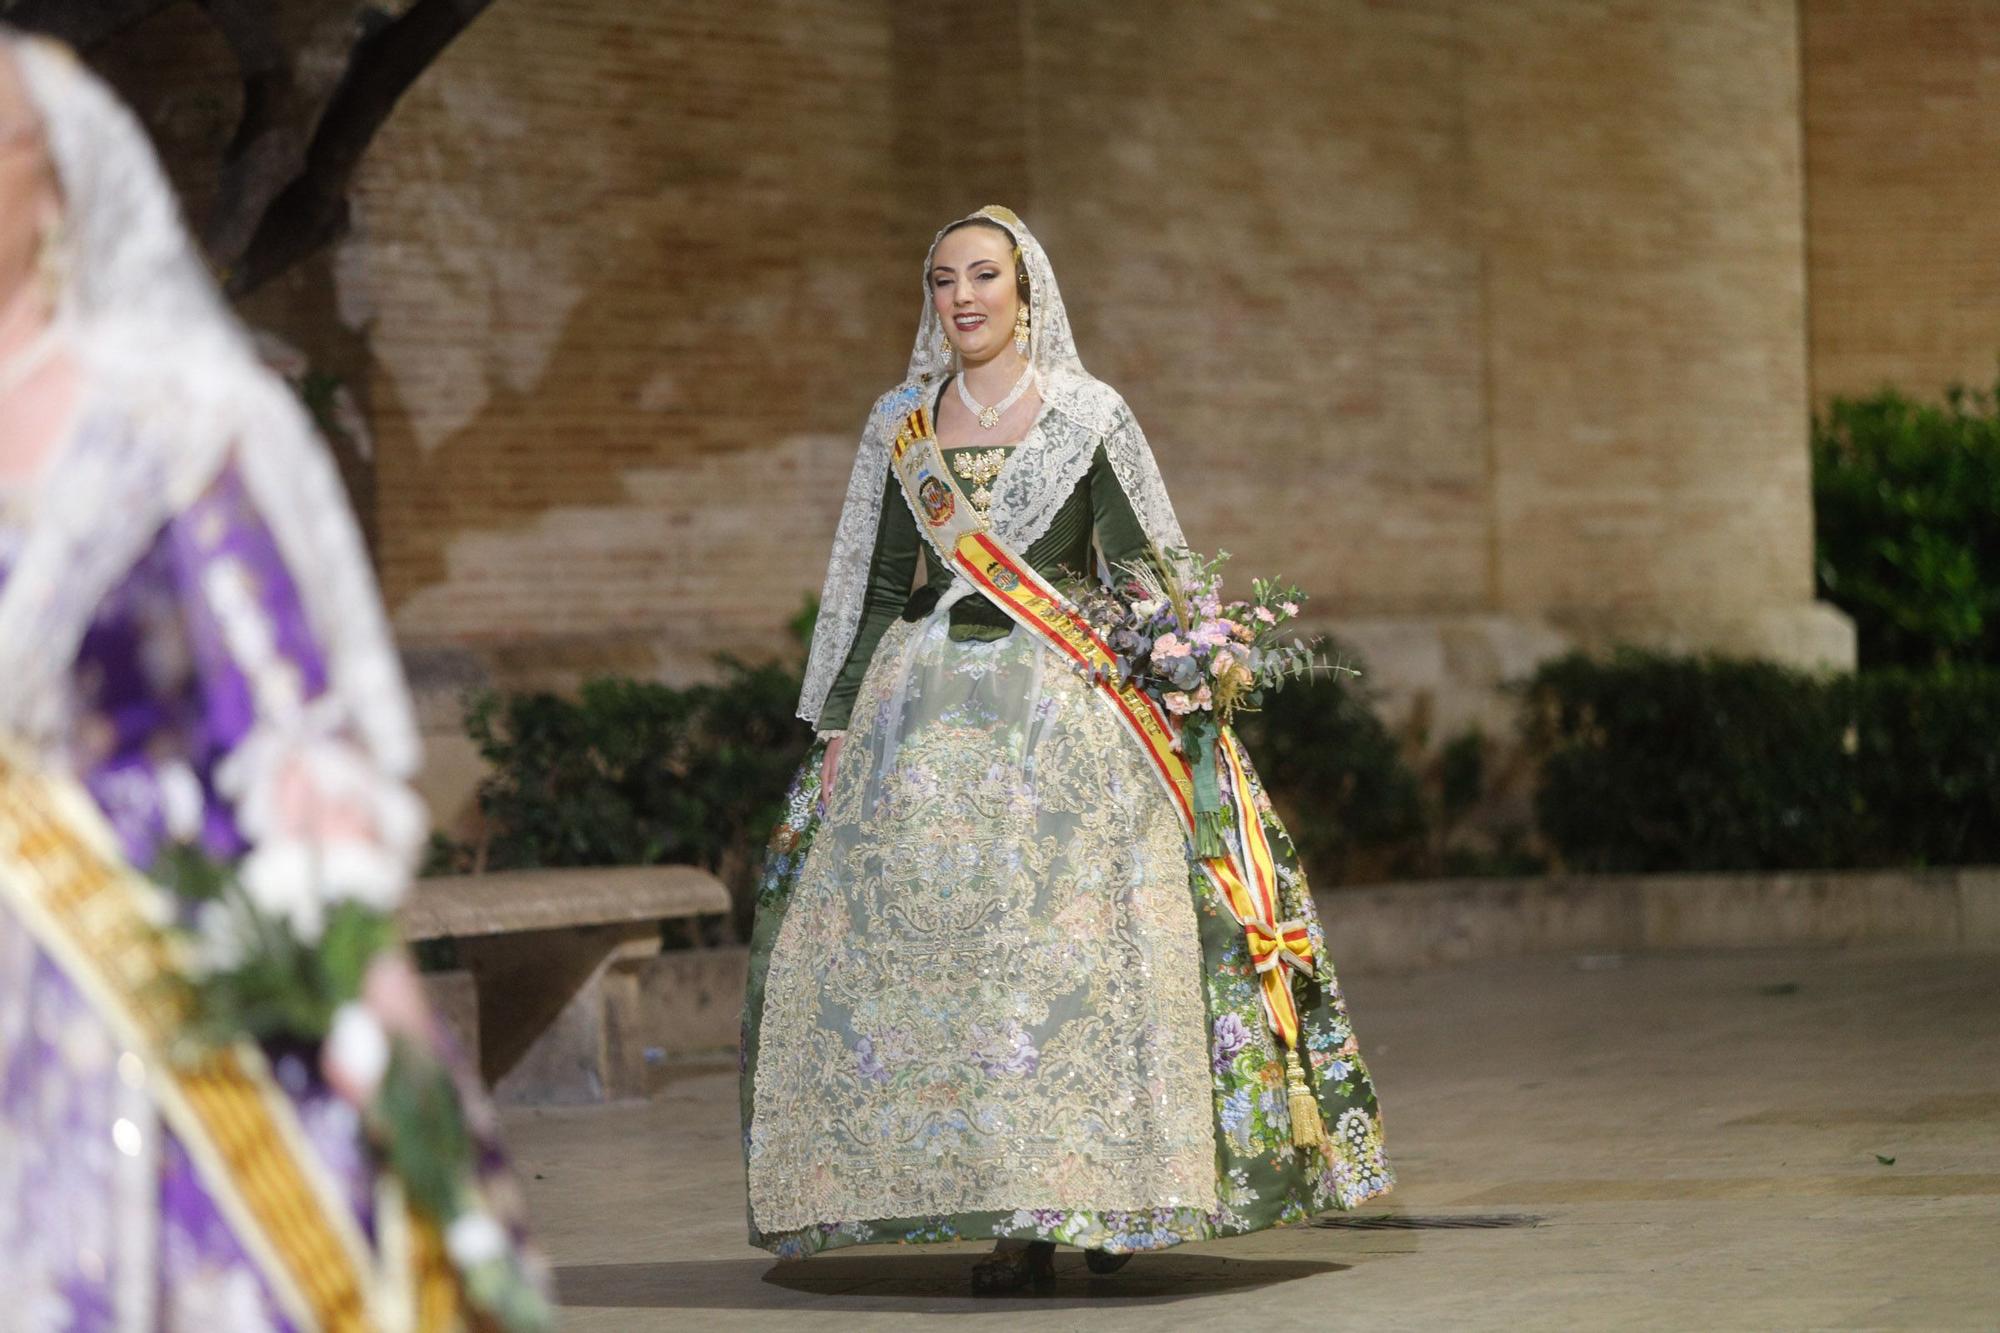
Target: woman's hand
x,y
828,766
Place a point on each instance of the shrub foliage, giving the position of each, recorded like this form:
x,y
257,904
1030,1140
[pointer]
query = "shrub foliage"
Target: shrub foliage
x,y
1657,763
633,772
1354,808
1906,500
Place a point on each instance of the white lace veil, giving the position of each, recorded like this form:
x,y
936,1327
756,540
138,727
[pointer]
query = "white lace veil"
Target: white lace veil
x,y
163,358
1080,413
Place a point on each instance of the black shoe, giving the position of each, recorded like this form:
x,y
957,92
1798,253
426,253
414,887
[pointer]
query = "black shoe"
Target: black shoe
x,y
1103,1261
1003,1271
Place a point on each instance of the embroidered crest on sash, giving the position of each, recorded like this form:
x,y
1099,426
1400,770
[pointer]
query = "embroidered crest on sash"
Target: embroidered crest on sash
x,y
937,500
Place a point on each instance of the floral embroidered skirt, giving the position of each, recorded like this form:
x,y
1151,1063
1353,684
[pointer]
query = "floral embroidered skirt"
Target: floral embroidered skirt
x,y
990,997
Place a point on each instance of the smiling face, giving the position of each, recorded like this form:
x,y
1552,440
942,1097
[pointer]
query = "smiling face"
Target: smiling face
x,y
975,290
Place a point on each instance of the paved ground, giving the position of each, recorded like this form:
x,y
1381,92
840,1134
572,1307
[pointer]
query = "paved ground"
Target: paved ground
x,y
1744,1141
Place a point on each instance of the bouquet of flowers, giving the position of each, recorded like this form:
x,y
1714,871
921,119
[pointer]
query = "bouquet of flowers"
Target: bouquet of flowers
x,y
1202,657
314,974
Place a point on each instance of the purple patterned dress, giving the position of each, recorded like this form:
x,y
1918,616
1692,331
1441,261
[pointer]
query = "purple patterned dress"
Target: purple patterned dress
x,y
104,1222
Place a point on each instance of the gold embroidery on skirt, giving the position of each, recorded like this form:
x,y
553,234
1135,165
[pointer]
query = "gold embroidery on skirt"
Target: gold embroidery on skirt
x,y
987,991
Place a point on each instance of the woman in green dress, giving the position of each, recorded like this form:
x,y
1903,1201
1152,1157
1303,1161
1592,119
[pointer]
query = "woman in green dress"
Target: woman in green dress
x,y
991,993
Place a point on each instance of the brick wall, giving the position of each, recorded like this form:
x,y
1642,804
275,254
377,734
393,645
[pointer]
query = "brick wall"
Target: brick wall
x,y
1262,220
1638,171
1444,309
626,271
1902,114
1487,323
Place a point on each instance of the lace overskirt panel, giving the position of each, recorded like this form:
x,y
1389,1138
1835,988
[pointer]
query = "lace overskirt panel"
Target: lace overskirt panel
x,y
986,992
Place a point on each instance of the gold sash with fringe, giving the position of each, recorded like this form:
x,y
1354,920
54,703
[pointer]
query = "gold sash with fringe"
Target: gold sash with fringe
x,y
61,874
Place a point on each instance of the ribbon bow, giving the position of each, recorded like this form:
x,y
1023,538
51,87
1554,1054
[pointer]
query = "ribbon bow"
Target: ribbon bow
x,y
1285,945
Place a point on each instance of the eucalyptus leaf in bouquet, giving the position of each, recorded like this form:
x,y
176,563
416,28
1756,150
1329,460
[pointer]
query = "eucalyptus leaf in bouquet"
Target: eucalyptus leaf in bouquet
x,y
1203,657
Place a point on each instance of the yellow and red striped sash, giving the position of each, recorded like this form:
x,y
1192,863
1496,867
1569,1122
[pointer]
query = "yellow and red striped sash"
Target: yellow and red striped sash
x,y
61,875
1245,877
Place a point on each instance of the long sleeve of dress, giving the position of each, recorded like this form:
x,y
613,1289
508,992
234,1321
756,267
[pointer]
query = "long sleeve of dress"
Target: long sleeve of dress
x,y
203,715
206,718
891,567
1121,539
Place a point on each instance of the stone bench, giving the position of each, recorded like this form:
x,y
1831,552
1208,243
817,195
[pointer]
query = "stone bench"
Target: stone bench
x,y
550,998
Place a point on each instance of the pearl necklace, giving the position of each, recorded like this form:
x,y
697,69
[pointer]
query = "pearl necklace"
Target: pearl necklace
x,y
989,417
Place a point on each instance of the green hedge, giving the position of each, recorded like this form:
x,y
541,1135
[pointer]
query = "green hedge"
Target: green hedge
x,y
1906,500
1659,763
1927,766
634,773
1646,763
1354,809
631,772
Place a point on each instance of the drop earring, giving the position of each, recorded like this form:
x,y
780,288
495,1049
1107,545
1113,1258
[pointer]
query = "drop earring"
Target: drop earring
x,y
943,350
1021,331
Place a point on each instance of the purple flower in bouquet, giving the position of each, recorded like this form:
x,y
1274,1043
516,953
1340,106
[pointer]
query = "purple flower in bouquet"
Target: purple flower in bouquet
x,y
1175,637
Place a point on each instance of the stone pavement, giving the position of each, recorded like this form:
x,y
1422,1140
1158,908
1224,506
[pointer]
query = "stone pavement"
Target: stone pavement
x,y
1769,1140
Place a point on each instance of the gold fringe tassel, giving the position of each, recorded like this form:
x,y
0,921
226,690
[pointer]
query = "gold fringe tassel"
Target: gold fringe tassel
x,y
1307,1129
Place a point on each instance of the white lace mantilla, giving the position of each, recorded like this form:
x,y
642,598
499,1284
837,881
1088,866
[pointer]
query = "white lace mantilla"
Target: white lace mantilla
x,y
172,391
1079,413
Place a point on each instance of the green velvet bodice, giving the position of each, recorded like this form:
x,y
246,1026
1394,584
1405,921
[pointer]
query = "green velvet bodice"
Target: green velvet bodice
x,y
1098,506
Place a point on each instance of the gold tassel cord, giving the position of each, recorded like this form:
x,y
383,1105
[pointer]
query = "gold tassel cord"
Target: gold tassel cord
x,y
1307,1129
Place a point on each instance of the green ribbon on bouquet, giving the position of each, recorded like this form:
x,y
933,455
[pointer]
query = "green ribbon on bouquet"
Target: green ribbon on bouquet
x,y
1211,817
